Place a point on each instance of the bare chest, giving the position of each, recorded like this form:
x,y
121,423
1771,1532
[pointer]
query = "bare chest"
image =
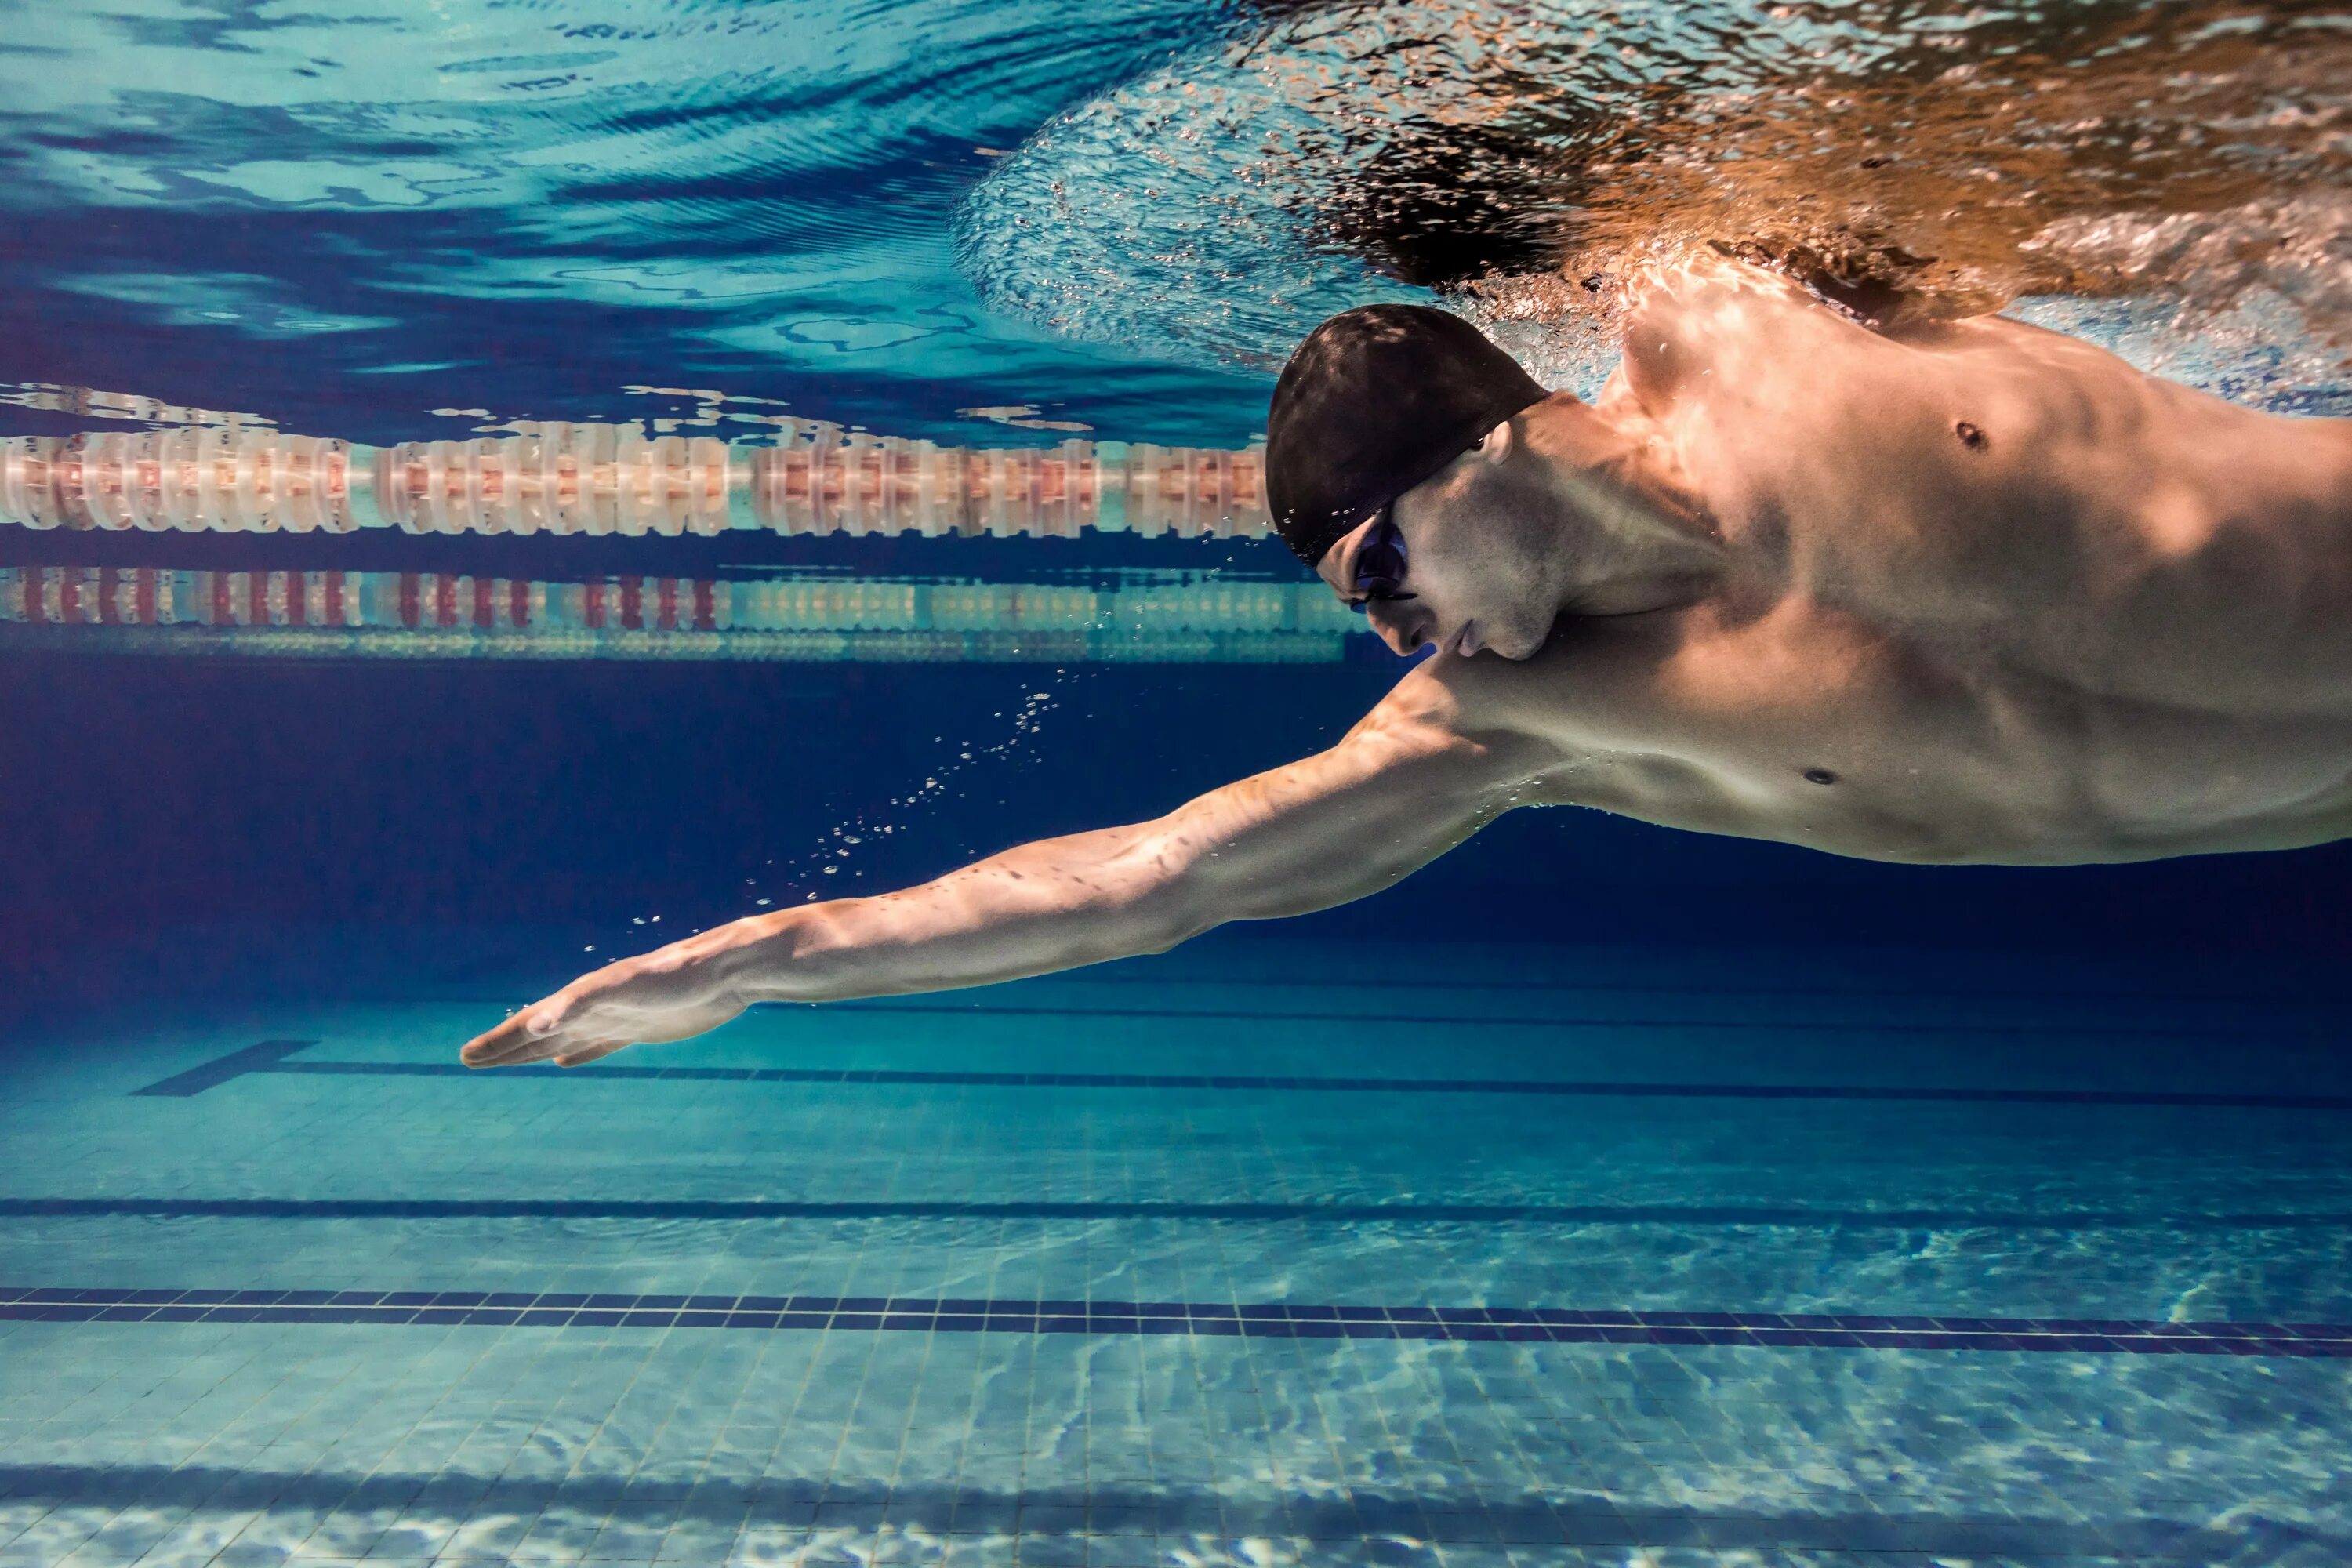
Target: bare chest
x,y
1999,598
2006,498
1815,728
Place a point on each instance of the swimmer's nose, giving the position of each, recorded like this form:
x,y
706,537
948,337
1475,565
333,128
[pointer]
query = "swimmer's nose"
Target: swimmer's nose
x,y
1403,623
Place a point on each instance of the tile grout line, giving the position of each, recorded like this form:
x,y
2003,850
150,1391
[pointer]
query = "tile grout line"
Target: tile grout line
x,y
1273,1320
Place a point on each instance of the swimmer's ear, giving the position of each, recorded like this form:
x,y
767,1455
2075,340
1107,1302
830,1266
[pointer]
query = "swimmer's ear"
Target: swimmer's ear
x,y
1496,446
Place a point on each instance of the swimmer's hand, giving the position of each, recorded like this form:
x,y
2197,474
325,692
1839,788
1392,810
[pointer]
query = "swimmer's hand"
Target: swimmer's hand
x,y
666,995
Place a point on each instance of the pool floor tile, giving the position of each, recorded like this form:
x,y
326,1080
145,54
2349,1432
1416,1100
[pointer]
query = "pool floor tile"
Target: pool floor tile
x,y
387,1316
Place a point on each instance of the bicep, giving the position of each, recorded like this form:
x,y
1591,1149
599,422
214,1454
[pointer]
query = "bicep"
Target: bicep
x,y
1409,782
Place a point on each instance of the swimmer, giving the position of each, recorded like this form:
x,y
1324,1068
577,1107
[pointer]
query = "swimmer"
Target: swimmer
x,y
1956,593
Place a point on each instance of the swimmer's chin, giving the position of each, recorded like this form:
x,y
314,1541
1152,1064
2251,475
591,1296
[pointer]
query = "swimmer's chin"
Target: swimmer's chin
x,y
1469,640
1472,642
1463,642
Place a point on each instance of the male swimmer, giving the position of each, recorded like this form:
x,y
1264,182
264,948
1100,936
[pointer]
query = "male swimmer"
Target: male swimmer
x,y
1968,591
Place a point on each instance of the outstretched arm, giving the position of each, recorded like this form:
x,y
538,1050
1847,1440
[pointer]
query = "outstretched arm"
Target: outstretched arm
x,y
1405,785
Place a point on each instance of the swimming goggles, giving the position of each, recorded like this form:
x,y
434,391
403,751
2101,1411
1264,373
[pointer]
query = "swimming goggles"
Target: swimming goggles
x,y
1379,566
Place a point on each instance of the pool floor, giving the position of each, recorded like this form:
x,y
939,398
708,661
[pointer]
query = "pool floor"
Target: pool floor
x,y
1262,1252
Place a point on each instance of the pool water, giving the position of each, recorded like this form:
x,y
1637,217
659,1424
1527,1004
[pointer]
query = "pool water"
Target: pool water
x,y
1600,1195
388,219
1493,1255
1505,1256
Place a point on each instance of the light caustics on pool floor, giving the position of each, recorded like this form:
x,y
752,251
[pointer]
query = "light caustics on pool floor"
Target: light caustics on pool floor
x,y
598,479
444,615
955,1295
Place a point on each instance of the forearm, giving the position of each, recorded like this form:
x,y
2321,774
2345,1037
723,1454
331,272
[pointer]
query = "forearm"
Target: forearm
x,y
1323,832
1403,787
1050,905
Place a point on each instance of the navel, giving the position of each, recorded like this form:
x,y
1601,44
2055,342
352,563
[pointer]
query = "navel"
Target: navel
x,y
1819,777
1970,436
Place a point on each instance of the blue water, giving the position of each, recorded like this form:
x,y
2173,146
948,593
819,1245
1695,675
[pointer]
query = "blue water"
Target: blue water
x,y
352,215
1203,1259
1601,1194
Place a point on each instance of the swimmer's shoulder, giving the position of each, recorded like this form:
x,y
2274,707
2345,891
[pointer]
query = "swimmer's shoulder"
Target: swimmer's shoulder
x,y
1585,669
1539,725
1489,701
1704,314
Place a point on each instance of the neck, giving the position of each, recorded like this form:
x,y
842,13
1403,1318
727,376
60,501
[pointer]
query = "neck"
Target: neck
x,y
1642,540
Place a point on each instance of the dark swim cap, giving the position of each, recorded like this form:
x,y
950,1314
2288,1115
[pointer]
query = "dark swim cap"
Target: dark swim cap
x,y
1376,400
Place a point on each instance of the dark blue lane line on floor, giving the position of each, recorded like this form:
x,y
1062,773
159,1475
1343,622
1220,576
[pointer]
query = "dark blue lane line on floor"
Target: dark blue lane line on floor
x,y
954,1209
2320,1030
271,1057
237,1064
1561,1021
1838,1330
2305,997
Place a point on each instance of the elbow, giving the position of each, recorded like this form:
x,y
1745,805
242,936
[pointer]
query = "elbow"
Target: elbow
x,y
1183,893
1208,894
1184,910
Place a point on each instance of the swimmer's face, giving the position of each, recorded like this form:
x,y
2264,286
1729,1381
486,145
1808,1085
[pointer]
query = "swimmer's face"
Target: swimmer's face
x,y
1482,566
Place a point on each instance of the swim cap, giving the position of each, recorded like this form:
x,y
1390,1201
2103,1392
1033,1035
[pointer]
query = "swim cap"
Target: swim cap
x,y
1376,400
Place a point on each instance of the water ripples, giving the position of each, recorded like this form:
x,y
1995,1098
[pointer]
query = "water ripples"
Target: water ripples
x,y
1522,155
901,210
478,197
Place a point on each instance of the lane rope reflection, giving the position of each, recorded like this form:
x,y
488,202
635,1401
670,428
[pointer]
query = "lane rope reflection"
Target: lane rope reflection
x,y
442,614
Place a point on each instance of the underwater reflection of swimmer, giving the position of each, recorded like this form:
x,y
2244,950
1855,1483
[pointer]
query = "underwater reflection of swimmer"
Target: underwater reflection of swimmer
x,y
1970,592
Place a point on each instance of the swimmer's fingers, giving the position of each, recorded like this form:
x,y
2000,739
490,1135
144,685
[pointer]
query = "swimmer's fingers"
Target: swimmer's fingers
x,y
580,1056
540,1031
659,997
566,1047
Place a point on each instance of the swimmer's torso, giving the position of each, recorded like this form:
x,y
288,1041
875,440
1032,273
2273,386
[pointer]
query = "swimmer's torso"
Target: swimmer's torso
x,y
1998,597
